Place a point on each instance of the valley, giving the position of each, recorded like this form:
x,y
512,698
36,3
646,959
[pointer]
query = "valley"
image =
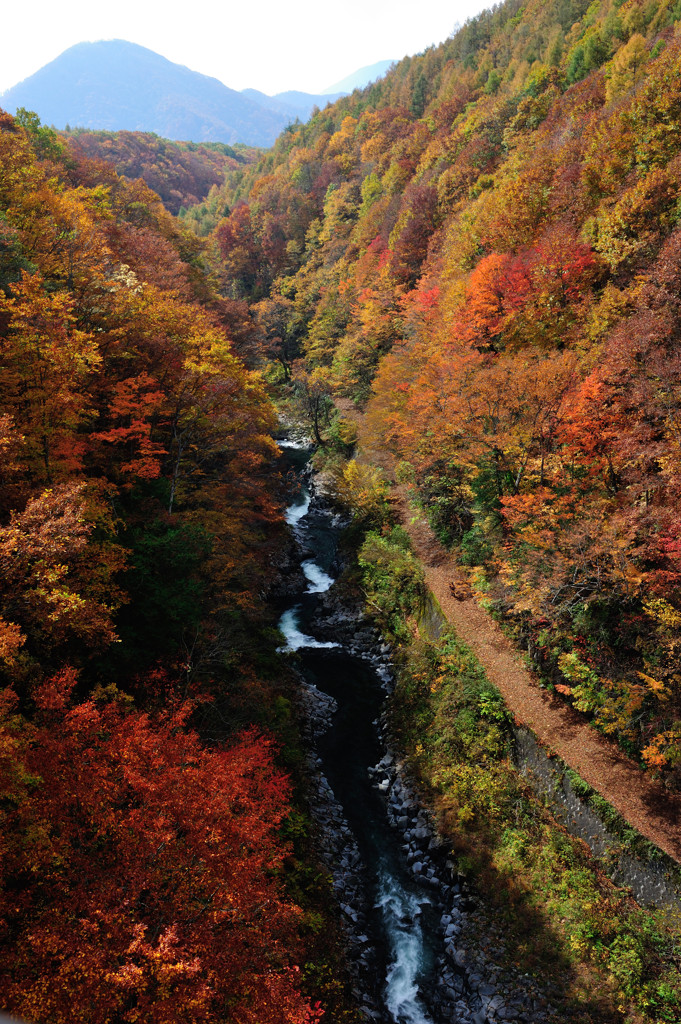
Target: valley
x,y
340,545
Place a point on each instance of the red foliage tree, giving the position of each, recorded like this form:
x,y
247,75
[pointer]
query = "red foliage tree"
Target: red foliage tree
x,y
139,879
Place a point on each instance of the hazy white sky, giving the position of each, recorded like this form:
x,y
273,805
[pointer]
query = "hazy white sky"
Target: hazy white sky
x,y
271,45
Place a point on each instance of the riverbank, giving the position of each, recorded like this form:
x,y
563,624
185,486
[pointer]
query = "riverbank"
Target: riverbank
x,y
391,916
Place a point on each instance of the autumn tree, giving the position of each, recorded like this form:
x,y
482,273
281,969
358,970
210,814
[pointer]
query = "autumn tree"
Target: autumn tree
x,y
240,251
48,363
277,320
140,877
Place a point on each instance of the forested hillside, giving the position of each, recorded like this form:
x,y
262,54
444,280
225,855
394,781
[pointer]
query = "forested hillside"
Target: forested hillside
x,y
481,251
181,173
140,822
485,249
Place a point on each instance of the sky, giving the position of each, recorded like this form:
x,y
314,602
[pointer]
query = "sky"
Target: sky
x,y
271,45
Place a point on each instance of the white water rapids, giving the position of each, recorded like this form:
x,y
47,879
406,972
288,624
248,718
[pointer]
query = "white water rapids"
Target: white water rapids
x,y
401,914
319,583
294,513
299,444
319,580
295,638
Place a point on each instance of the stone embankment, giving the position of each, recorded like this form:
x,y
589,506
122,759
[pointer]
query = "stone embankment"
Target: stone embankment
x,y
654,879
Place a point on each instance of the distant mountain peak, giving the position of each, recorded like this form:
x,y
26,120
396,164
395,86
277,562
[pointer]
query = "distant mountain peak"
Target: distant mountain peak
x,y
117,85
360,78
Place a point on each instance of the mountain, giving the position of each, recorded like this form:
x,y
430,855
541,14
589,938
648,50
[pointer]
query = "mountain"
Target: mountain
x,y
358,79
114,85
295,104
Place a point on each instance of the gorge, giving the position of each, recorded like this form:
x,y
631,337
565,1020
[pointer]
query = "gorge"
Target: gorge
x,y
390,730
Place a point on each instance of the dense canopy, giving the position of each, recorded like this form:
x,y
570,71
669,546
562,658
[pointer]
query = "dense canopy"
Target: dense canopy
x,y
141,868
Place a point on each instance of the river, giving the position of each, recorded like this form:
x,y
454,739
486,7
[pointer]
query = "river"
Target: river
x,y
403,913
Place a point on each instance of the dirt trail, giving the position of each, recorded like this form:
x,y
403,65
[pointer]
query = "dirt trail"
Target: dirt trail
x,y
641,801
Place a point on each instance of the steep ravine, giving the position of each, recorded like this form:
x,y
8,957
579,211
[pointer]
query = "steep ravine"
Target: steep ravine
x,y
407,913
